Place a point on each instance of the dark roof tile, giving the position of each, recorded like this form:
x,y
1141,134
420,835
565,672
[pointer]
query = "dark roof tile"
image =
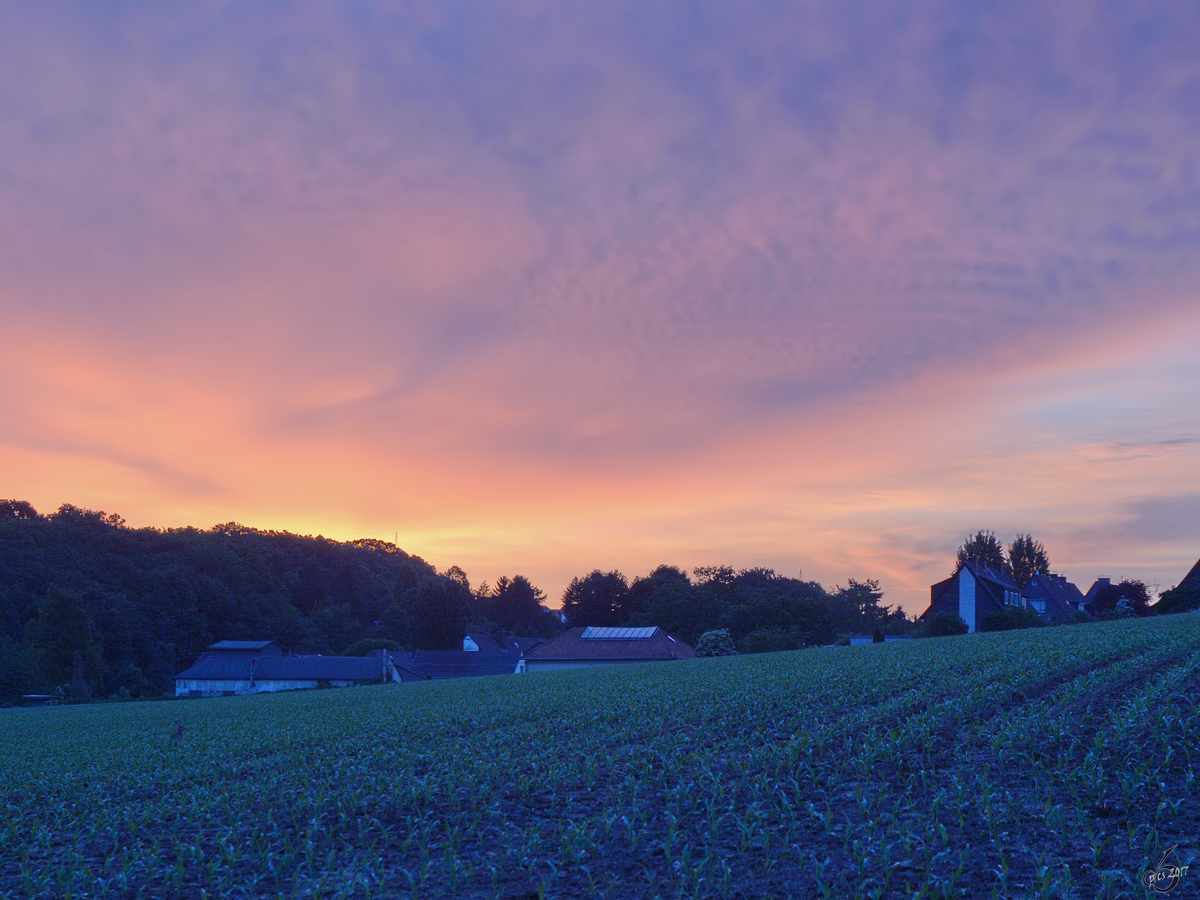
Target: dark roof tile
x,y
572,645
284,668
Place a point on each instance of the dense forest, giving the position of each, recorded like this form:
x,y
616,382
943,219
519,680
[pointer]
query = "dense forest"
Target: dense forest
x,y
139,604
761,609
85,598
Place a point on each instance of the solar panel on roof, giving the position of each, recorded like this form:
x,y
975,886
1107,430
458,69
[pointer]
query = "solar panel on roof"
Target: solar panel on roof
x,y
593,633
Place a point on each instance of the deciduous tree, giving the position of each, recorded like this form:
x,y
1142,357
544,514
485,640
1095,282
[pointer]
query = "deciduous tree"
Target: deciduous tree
x,y
1026,558
982,549
598,598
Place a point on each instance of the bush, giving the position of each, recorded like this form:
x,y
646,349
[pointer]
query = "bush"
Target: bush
x,y
941,624
717,642
770,640
1178,600
1010,619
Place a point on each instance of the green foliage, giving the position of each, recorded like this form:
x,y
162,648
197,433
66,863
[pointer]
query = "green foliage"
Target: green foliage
x,y
1026,558
762,610
982,549
1051,764
770,640
67,640
1178,600
766,611
16,509
367,645
1122,600
666,598
856,609
140,605
445,606
20,666
941,624
717,642
515,605
598,598
1011,618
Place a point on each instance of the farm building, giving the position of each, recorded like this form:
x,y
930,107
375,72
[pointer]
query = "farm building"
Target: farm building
x,y
500,640
593,646
234,667
439,664
973,593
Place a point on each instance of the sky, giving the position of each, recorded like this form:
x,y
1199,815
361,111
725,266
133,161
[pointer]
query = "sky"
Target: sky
x,y
544,288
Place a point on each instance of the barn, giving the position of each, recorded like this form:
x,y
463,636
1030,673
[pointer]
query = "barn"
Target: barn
x,y
228,668
599,646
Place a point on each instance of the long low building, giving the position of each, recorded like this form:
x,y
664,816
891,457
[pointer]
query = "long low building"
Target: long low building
x,y
227,671
602,646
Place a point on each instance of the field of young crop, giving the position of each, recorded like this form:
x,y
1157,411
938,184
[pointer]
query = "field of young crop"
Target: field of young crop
x,y
1051,763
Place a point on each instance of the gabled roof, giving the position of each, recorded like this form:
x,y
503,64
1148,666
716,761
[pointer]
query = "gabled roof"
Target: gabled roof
x,y
503,640
438,664
572,644
990,588
485,642
218,668
211,667
246,647
984,573
1059,595
1192,579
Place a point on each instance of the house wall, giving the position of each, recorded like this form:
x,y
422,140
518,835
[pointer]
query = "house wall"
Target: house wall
x,y
211,687
218,688
266,687
550,665
966,598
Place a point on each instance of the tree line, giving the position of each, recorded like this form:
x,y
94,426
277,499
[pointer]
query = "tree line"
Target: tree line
x,y
88,602
761,609
132,607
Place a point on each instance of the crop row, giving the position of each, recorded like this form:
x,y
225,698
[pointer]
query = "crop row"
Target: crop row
x,y
1054,763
